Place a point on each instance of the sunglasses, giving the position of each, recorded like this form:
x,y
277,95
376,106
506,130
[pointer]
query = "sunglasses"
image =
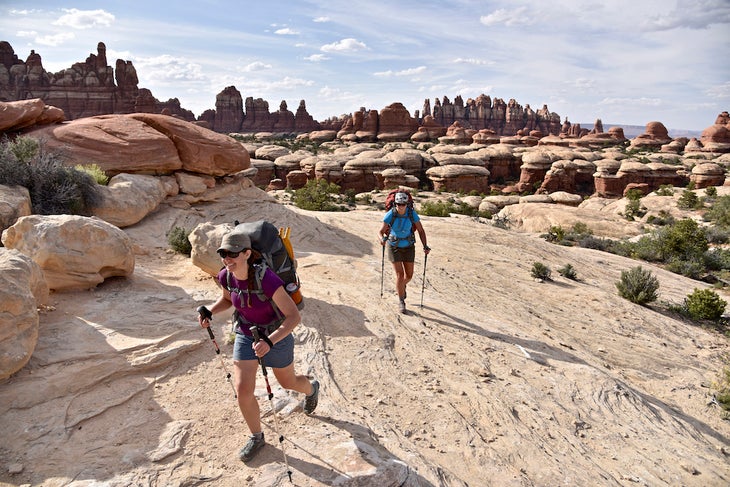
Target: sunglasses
x,y
227,253
400,204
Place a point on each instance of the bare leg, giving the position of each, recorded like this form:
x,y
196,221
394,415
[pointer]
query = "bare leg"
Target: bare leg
x,y
244,379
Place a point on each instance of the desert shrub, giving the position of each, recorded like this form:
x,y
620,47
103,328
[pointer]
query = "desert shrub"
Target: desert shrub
x,y
317,195
95,172
595,243
719,212
540,271
665,190
689,200
54,188
685,240
555,234
638,286
692,268
710,193
178,240
662,219
500,222
568,272
717,259
705,304
634,209
445,208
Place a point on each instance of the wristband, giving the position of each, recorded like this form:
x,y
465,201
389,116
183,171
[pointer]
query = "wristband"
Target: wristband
x,y
426,248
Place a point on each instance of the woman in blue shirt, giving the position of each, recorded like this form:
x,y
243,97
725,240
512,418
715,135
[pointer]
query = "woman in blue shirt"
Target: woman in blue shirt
x,y
398,231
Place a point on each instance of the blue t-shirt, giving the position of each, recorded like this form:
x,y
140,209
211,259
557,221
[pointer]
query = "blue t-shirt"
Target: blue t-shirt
x,y
253,307
401,226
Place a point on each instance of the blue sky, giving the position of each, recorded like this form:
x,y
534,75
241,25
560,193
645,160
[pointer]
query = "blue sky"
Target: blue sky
x,y
623,61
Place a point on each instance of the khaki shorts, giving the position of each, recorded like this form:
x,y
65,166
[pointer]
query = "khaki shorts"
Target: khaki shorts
x,y
402,254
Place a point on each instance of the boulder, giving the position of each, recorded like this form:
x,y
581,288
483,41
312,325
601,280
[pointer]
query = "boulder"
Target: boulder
x,y
145,144
457,178
205,240
128,198
22,289
14,203
707,174
75,252
16,115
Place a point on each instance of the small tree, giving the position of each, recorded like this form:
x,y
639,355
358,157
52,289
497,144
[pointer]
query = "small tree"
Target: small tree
x,y
178,240
540,271
705,304
638,286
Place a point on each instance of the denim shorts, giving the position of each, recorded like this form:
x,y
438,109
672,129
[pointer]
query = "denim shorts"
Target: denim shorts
x,y
278,357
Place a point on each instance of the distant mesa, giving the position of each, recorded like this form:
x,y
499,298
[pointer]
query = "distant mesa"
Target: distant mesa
x,y
92,88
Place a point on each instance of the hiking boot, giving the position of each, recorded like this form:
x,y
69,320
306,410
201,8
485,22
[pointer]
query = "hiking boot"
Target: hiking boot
x,y
254,445
402,306
310,401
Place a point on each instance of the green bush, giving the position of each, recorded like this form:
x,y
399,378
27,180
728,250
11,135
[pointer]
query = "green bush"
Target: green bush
x,y
705,304
317,195
445,208
54,188
665,190
638,286
719,212
689,200
540,271
95,172
178,240
568,272
685,240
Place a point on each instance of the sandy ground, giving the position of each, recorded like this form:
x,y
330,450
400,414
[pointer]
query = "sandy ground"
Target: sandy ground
x,y
497,380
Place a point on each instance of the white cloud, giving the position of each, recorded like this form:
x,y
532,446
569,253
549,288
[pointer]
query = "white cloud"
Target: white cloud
x,y
22,12
85,19
56,39
286,32
344,45
476,62
719,92
255,66
26,33
168,67
510,18
643,101
315,58
321,19
405,72
697,14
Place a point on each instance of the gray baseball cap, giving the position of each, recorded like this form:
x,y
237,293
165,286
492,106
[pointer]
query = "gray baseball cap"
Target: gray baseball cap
x,y
235,242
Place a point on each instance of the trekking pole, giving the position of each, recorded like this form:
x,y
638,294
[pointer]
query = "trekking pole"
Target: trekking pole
x,y
207,315
256,337
382,270
423,279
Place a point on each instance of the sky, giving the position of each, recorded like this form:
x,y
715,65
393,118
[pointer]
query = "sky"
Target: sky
x,y
622,61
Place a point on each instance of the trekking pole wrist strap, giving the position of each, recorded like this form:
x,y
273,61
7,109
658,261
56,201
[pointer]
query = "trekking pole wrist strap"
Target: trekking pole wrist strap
x,y
426,248
268,341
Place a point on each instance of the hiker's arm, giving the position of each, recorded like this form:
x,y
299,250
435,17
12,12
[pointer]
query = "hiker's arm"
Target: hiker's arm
x,y
422,236
383,233
289,310
222,304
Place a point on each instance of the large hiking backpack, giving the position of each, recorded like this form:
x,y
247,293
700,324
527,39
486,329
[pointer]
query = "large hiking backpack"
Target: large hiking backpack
x,y
390,203
277,254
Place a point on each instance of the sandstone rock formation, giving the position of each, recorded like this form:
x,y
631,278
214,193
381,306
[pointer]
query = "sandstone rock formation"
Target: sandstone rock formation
x,y
144,143
85,89
22,290
74,252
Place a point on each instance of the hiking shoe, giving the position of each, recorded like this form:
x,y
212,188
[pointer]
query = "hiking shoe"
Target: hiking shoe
x,y
310,402
402,306
254,445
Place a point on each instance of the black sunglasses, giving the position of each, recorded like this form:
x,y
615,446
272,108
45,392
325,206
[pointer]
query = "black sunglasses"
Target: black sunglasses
x,y
400,204
227,253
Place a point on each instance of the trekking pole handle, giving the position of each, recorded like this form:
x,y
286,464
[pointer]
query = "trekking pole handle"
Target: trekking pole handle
x,y
255,332
206,315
